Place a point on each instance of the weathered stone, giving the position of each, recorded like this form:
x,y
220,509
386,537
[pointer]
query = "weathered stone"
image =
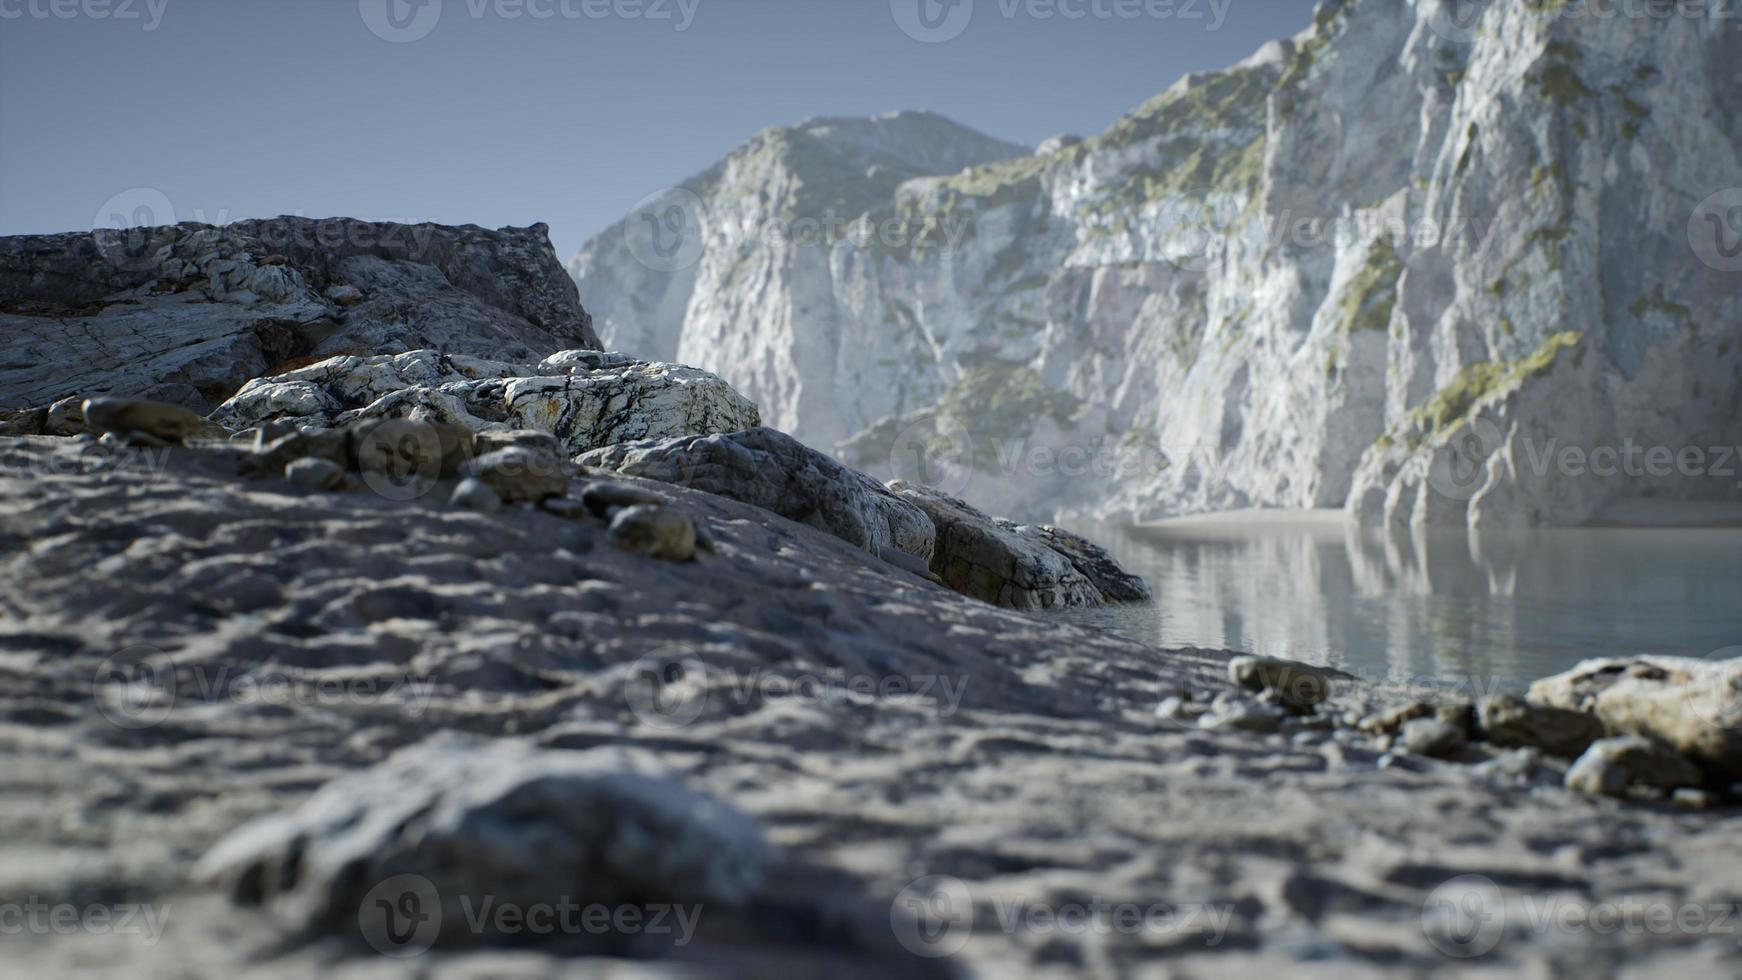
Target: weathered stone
x,y
654,531
474,494
992,561
776,472
1296,686
1509,720
153,422
602,497
1243,714
66,417
311,473
1613,766
1388,721
309,443
408,448
1694,706
188,313
490,440
578,407
521,474
1430,736
500,822
1114,582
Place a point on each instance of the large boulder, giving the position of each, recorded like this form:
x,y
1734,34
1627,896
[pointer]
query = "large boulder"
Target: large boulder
x,y
776,472
453,823
1694,706
185,314
997,561
585,399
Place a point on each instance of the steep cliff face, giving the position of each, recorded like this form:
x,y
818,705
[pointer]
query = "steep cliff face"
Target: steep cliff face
x,y
1400,262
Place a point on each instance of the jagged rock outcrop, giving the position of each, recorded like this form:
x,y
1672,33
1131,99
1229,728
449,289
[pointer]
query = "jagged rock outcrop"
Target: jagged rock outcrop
x,y
911,526
1322,277
1014,565
188,313
772,470
586,399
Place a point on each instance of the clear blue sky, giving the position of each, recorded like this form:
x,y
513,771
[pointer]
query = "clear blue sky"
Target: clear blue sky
x,y
249,108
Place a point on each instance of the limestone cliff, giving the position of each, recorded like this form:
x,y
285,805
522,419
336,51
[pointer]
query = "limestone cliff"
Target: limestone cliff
x,y
1399,262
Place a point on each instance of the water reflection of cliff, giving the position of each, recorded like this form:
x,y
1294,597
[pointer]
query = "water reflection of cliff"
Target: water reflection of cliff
x,y
1496,606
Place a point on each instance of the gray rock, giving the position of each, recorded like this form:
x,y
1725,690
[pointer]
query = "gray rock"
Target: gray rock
x,y
154,423
490,440
205,309
408,448
1509,720
1243,714
312,473
1115,583
1694,706
776,472
995,561
522,474
66,417
602,497
474,494
505,821
1612,766
577,407
1430,736
307,443
1294,685
1518,767
654,531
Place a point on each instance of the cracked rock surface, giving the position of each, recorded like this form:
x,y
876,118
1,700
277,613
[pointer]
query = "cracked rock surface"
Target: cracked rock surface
x,y
187,313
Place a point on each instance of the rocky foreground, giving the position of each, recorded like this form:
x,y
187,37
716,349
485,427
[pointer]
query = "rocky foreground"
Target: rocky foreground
x,y
254,709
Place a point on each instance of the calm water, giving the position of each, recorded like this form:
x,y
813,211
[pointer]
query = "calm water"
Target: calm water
x,y
1503,609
